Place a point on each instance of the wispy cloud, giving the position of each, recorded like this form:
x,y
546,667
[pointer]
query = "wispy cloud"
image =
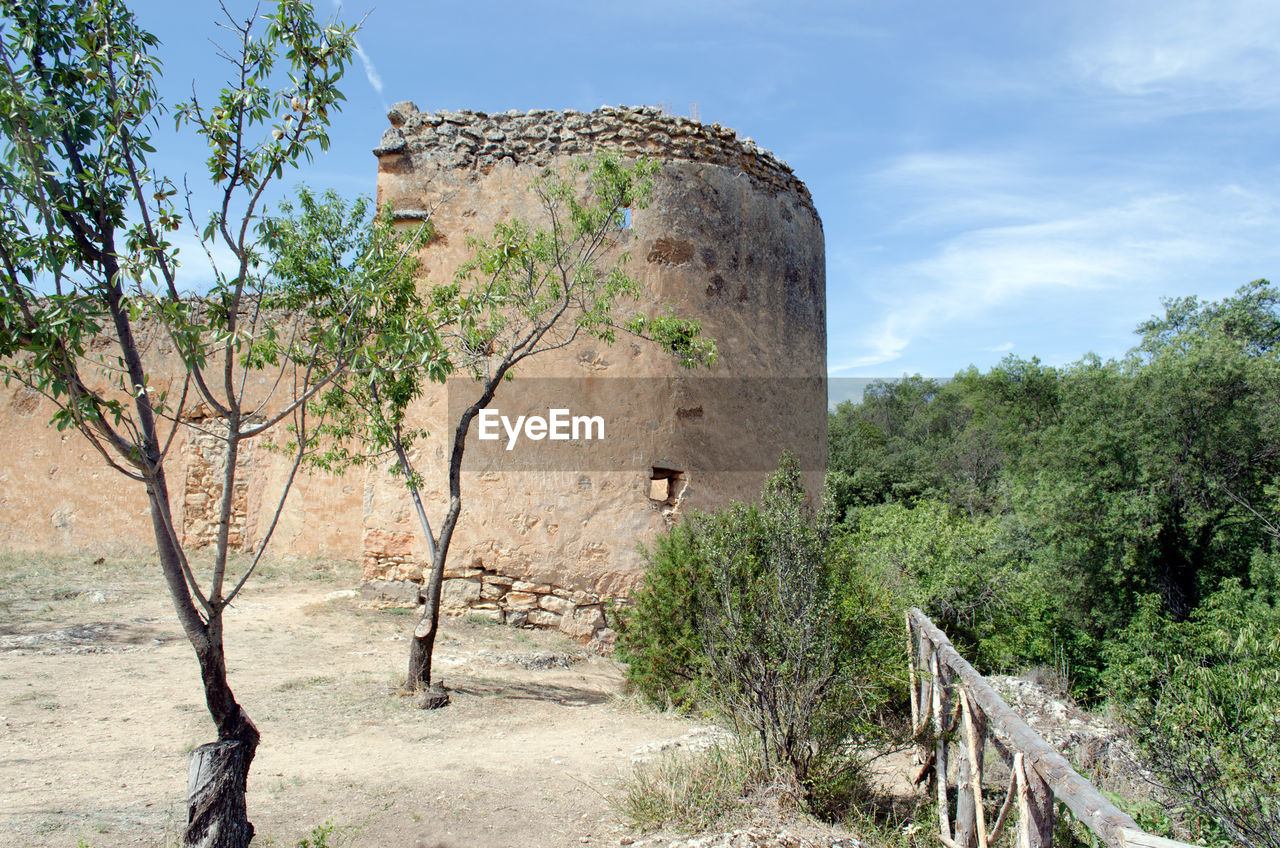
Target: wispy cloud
x,y
947,188
1189,56
370,71
1061,240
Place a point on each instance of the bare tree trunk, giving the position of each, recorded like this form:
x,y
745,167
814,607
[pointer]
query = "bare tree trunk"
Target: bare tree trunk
x,y
422,645
216,780
219,771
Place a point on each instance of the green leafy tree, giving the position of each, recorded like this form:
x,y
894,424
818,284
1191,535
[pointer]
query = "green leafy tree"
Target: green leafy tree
x,y
1203,696
887,447
955,568
1102,481
88,258
530,288
921,439
1159,477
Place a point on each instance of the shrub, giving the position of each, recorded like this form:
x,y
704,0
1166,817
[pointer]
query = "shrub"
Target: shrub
x,y
954,567
759,614
978,579
1203,697
658,635
319,837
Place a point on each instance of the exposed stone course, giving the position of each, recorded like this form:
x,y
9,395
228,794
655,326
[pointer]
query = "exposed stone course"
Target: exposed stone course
x,y
580,615
480,141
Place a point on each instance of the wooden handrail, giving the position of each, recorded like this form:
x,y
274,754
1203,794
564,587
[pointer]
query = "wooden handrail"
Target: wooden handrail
x,y
1046,770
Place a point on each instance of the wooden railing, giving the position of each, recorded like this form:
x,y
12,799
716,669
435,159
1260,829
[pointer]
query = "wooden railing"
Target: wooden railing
x,y
950,698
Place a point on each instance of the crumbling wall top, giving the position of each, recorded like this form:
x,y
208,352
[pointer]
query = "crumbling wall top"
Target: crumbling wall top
x,y
479,141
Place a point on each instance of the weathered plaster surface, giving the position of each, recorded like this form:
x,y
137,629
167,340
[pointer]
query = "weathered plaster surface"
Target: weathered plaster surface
x,y
730,237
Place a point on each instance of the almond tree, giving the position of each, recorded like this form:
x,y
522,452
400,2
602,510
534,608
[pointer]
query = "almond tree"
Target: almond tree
x,y
87,255
531,288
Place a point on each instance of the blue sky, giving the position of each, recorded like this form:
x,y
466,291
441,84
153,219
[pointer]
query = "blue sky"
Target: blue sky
x,y
993,177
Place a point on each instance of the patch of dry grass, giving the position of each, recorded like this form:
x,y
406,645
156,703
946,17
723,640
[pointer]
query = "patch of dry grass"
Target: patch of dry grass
x,y
690,791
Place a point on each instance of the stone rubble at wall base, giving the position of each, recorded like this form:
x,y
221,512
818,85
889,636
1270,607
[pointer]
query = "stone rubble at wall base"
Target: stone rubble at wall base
x,y
505,600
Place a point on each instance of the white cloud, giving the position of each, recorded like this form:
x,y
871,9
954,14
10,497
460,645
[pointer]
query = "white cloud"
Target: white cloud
x,y
370,72
1063,240
1187,56
883,344
949,188
975,273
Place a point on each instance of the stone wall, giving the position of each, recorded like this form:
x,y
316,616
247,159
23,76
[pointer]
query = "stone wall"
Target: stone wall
x,y
204,456
507,600
730,238
467,140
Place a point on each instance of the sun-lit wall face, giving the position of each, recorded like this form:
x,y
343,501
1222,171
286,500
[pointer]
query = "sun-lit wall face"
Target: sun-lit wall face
x,y
550,527
730,238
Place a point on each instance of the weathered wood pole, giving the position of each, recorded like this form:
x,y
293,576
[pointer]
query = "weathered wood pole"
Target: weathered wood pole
x,y
1035,808
940,712
1039,798
971,826
924,680
912,676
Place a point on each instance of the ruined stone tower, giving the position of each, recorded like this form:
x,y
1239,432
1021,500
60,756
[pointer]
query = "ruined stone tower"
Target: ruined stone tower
x,y
730,238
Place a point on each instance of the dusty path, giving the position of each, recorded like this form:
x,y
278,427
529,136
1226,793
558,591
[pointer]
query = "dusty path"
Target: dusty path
x,y
100,704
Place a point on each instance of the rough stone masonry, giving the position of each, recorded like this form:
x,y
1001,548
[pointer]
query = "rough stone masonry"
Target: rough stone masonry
x,y
730,237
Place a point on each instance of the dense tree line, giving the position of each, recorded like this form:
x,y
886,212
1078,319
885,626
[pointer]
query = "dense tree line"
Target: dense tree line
x,y
1114,522
1035,507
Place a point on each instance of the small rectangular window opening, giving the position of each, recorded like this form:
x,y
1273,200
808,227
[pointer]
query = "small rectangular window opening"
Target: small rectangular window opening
x,y
664,486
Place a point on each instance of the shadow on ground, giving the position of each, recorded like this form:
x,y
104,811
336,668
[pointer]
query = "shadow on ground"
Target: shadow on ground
x,y
569,696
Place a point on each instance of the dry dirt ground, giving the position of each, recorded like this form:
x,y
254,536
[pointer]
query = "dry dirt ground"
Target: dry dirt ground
x,y
100,704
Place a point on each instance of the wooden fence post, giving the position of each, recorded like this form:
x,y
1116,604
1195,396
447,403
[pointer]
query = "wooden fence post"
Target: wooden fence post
x,y
924,692
1035,809
971,826
913,675
940,713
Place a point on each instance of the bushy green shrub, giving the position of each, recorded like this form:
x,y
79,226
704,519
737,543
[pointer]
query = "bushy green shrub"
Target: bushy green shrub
x,y
978,579
658,635
1203,697
760,614
952,566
